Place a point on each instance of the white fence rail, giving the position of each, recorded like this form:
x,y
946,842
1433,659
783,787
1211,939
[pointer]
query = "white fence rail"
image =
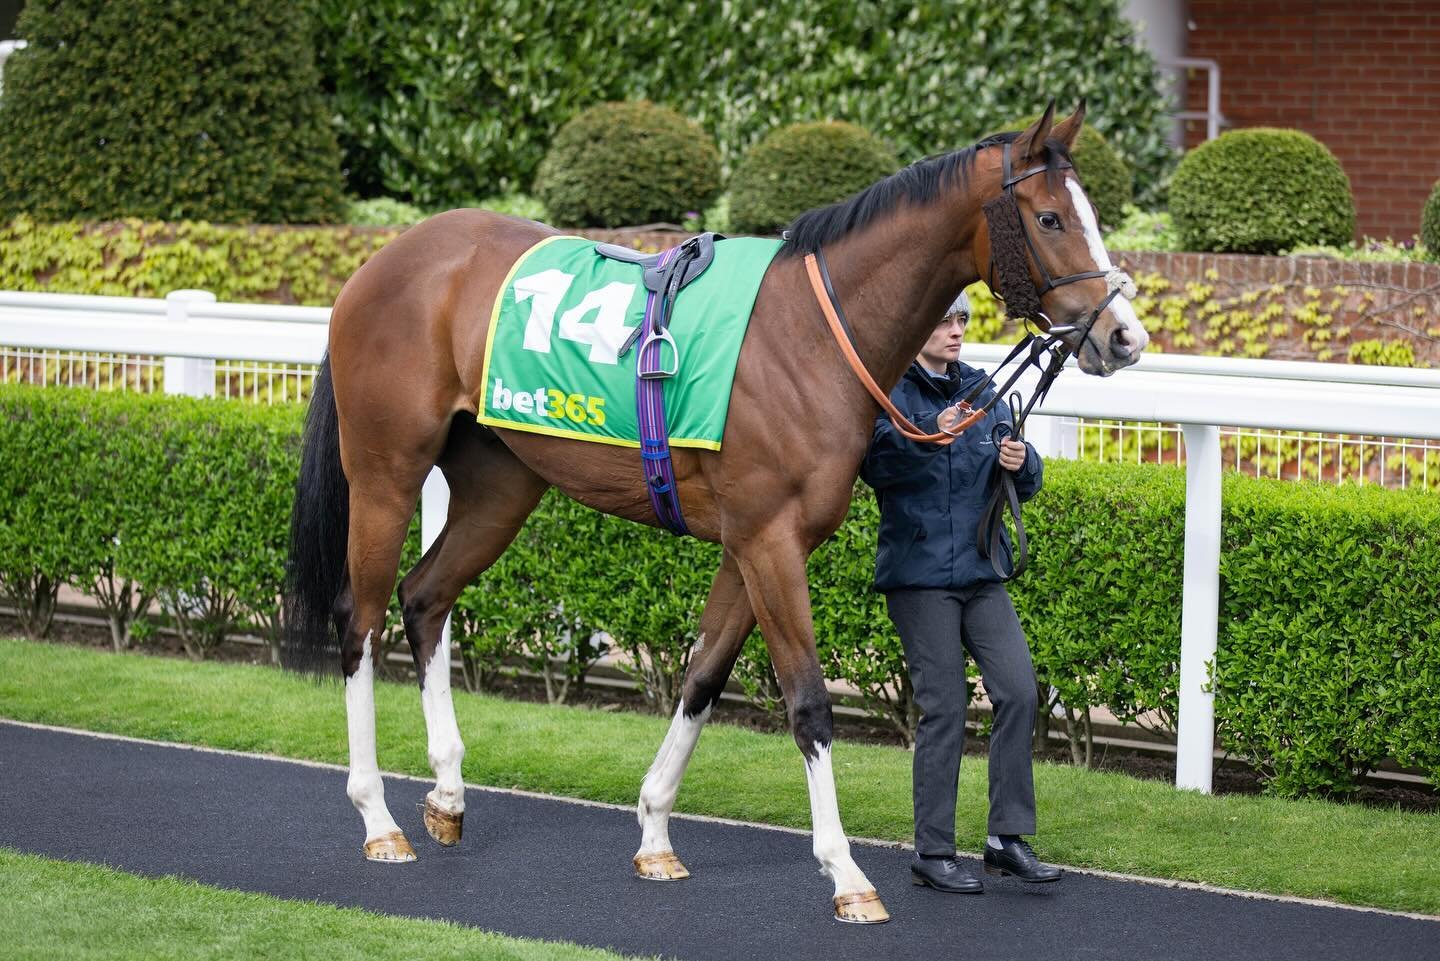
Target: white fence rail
x,y
1200,394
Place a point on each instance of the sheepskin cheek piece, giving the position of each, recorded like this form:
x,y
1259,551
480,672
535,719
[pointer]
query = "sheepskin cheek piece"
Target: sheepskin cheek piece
x,y
1007,253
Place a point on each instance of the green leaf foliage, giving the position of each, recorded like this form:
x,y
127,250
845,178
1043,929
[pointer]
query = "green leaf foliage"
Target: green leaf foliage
x,y
628,163
134,258
1329,647
803,166
1261,191
441,100
1108,179
166,110
186,497
1430,223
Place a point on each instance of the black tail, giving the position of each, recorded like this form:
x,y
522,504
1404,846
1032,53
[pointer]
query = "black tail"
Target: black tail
x,y
319,530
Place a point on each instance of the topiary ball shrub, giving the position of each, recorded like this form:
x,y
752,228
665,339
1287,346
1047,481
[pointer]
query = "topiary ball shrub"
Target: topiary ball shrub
x,y
1430,224
620,164
805,165
1261,191
167,111
1107,177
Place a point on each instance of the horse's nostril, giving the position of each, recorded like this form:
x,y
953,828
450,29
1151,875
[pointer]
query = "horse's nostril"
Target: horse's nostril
x,y
1120,342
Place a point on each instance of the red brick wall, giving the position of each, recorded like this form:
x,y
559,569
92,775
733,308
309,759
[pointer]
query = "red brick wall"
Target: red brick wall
x,y
1361,77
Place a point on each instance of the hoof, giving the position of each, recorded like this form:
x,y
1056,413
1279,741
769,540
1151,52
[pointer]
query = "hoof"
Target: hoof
x,y
390,848
664,866
443,826
861,908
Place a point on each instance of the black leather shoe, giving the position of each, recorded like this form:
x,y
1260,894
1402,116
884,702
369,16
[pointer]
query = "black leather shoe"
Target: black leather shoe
x,y
944,874
1018,859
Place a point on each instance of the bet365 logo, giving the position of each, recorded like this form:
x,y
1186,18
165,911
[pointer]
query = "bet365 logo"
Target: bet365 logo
x,y
549,402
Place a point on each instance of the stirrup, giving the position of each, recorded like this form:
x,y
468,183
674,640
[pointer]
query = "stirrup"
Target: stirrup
x,y
659,372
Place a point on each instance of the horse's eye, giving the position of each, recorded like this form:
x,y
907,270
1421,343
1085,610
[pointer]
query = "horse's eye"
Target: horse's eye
x,y
1048,220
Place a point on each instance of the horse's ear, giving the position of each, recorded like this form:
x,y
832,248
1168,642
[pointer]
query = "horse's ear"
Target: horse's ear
x,y
1031,141
1068,129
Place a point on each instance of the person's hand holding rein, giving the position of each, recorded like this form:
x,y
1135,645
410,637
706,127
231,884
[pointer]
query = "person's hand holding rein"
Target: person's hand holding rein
x,y
1012,454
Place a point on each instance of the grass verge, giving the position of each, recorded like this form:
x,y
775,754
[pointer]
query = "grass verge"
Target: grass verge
x,y
54,909
1349,853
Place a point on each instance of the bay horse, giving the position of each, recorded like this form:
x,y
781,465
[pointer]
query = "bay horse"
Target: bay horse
x,y
398,392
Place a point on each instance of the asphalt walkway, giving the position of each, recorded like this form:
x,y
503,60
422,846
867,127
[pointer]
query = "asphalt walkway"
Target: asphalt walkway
x,y
557,869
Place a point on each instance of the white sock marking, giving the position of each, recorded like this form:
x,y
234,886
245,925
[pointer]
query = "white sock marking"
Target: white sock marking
x,y
662,782
447,750
831,846
366,789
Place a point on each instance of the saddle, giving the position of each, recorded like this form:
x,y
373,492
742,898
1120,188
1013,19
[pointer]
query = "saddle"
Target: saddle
x,y
657,276
664,275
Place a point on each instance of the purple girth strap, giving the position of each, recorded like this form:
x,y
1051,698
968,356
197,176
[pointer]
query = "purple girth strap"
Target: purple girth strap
x,y
650,408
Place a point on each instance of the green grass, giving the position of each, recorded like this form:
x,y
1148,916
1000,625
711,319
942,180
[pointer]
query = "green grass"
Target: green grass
x,y
1359,855
59,909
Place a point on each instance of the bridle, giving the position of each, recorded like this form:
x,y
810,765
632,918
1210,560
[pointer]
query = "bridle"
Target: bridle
x,y
1015,277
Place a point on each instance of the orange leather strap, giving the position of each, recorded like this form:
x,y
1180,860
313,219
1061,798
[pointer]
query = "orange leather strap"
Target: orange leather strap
x,y
902,424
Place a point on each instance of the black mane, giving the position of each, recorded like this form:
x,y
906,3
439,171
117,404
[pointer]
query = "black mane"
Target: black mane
x,y
919,183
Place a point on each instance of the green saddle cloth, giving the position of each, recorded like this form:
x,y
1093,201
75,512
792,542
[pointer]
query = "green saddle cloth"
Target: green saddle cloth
x,y
552,363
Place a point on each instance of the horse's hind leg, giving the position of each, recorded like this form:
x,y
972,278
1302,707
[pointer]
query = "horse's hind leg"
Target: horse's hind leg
x,y
725,624
491,494
380,512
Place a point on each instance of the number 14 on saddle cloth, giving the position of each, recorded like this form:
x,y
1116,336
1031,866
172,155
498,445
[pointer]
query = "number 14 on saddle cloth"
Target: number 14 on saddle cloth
x,y
552,357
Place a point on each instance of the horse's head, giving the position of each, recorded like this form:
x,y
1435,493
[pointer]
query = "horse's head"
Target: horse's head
x,y
1042,249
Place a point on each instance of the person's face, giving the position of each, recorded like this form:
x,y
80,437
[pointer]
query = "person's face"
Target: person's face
x,y
945,340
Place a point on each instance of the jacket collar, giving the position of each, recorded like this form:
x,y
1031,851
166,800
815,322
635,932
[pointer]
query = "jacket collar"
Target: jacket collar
x,y
958,377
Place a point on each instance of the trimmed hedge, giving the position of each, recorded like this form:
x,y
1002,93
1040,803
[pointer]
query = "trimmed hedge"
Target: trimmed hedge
x,y
150,108
1261,191
185,500
1430,223
442,100
803,166
621,164
1329,655
1109,182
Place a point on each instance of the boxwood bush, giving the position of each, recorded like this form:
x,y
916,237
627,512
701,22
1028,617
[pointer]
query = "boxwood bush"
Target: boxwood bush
x,y
1430,223
1329,648
620,164
802,166
1261,191
208,110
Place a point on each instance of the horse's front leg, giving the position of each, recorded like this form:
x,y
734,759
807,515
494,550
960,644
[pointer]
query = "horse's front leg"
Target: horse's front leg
x,y
725,624
773,567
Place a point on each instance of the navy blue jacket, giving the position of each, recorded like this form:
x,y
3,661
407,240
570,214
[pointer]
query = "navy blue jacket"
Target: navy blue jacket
x,y
931,497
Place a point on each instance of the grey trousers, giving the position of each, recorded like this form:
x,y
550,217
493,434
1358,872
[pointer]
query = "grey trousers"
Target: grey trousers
x,y
936,628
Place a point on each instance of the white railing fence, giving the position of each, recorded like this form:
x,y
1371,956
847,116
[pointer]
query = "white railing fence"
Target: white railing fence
x,y
196,337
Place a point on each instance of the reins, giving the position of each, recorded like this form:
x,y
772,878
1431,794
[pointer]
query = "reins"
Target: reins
x,y
1003,215
844,336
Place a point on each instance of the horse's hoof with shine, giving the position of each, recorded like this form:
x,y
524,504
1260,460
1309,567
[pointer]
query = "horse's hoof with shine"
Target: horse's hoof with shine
x,y
389,848
443,826
664,866
864,907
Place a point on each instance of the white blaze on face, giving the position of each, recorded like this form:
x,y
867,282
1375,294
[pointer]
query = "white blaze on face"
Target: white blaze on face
x,y
1119,306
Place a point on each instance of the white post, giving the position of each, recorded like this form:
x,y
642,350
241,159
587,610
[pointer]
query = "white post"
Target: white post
x,y
191,376
1200,614
434,506
1051,436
